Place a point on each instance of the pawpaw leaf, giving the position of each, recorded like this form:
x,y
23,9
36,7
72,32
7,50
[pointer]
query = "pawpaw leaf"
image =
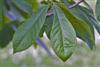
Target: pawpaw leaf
x,y
63,36
27,33
83,30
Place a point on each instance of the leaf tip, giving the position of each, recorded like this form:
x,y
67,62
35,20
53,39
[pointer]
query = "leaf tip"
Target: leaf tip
x,y
64,58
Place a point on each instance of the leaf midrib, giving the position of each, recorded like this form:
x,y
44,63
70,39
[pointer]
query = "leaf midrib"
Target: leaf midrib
x,y
60,31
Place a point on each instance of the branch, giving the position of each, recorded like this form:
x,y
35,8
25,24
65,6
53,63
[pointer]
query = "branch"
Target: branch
x,y
80,1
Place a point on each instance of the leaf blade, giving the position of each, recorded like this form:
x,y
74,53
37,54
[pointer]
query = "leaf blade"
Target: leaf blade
x,y
28,31
63,42
82,29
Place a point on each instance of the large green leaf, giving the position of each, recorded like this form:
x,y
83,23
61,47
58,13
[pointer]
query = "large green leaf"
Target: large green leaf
x,y
63,36
98,9
28,31
82,29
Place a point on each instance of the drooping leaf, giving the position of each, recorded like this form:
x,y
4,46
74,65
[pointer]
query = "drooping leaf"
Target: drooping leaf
x,y
82,29
97,10
88,17
63,37
29,31
85,14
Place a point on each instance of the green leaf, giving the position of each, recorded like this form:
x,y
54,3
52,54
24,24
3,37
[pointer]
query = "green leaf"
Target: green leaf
x,y
63,36
97,10
23,5
6,35
29,31
1,14
88,17
17,14
82,29
47,26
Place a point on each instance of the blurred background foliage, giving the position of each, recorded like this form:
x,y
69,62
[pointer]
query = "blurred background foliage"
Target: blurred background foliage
x,y
32,57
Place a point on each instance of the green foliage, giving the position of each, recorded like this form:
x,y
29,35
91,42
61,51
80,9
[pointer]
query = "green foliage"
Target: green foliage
x,y
61,24
98,10
23,5
1,14
29,30
63,37
6,35
82,29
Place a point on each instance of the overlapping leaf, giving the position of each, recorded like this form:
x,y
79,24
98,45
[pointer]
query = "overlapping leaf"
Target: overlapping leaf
x,y
88,17
47,26
28,31
82,29
7,32
63,36
14,13
98,9
23,5
6,35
